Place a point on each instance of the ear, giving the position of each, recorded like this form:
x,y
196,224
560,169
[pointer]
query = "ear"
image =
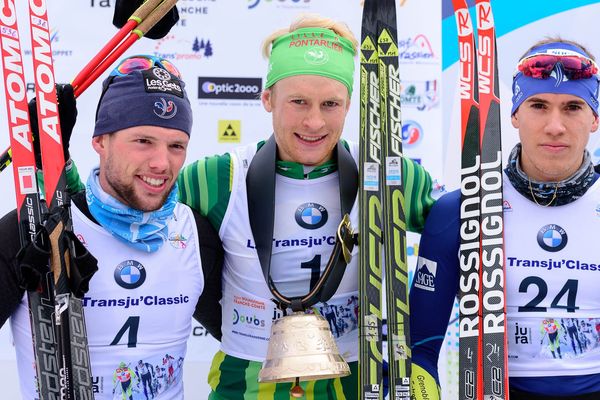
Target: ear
x,y
515,120
595,124
266,98
99,144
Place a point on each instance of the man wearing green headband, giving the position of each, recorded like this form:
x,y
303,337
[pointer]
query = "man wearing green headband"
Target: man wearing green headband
x,y
300,169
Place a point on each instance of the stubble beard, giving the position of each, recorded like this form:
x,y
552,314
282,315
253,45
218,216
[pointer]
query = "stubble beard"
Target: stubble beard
x,y
127,195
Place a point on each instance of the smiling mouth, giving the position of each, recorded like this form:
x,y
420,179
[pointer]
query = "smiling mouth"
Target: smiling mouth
x,y
310,139
155,182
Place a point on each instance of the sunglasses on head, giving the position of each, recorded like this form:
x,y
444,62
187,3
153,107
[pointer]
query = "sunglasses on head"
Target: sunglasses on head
x,y
540,66
144,62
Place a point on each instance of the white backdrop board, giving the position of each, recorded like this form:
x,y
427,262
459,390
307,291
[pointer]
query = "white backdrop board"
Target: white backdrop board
x,y
219,42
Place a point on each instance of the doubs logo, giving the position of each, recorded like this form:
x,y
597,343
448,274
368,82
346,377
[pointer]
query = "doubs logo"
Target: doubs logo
x,y
251,321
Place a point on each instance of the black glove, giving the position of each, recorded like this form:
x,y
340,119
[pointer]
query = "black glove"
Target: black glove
x,y
33,258
124,9
67,115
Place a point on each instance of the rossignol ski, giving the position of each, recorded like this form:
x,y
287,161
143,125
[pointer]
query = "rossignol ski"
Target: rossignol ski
x,y
381,205
482,337
393,217
492,304
58,327
370,203
470,210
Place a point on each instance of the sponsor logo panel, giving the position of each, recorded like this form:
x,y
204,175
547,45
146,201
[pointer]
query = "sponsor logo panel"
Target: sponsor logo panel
x,y
290,4
422,95
229,88
416,50
130,274
552,238
425,275
311,215
230,131
412,133
179,47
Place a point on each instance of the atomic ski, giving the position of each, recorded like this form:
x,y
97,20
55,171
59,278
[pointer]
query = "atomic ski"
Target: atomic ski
x,y
393,214
370,362
41,302
57,323
72,346
381,204
482,337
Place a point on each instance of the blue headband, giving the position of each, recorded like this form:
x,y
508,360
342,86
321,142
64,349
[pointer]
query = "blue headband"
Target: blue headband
x,y
524,87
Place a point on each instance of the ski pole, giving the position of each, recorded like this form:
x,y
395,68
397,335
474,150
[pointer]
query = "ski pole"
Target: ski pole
x,y
135,35
137,17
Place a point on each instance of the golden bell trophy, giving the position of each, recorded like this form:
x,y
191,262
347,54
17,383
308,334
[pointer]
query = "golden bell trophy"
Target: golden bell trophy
x,y
301,346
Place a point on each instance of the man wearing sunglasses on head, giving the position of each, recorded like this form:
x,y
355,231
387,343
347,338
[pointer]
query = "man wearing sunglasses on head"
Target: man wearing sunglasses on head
x,y
159,262
551,194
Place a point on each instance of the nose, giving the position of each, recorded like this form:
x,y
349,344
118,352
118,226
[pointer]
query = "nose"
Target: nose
x,y
555,124
159,159
314,119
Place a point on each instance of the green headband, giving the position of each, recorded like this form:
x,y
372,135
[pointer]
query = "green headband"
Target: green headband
x,y
312,51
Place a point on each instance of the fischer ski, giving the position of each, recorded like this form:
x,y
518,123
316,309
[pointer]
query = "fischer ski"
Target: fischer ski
x,y
394,219
370,362
381,205
482,337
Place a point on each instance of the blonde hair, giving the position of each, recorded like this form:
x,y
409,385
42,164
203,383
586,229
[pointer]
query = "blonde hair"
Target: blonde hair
x,y
310,21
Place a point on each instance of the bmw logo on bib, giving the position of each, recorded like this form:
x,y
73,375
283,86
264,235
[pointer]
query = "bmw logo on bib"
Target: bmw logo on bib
x,y
552,238
311,215
130,274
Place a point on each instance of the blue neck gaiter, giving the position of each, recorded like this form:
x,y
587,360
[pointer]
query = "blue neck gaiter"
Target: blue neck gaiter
x,y
145,231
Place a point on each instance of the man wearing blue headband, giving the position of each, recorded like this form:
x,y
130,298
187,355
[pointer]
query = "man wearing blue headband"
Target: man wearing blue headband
x,y
159,262
551,195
